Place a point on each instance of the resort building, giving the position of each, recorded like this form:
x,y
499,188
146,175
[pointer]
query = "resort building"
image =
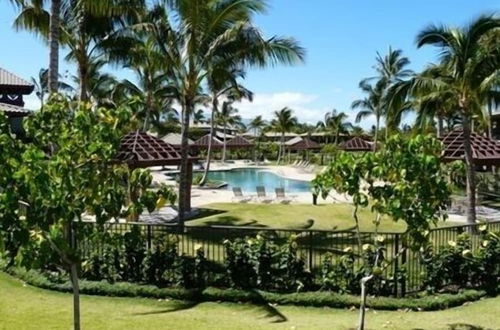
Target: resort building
x,y
12,89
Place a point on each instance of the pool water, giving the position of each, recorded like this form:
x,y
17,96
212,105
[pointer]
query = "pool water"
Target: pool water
x,y
249,178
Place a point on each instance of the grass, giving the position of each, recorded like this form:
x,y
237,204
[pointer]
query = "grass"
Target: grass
x,y
25,307
294,216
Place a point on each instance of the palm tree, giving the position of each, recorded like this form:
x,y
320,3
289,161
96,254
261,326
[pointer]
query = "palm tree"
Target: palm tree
x,y
197,36
283,122
392,70
54,32
357,131
227,116
335,124
257,125
372,105
84,26
152,89
463,81
41,84
199,117
222,83
35,18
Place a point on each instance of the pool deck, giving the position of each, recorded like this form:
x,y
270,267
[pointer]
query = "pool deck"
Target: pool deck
x,y
201,197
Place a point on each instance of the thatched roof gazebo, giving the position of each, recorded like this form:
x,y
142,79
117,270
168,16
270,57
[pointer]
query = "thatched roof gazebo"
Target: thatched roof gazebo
x,y
202,143
238,142
301,143
140,150
484,150
356,144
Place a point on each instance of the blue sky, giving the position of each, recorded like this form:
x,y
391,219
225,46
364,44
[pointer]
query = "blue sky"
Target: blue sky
x,y
341,38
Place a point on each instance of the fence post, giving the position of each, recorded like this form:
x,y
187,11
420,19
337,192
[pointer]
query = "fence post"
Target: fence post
x,y
396,263
403,263
310,250
149,243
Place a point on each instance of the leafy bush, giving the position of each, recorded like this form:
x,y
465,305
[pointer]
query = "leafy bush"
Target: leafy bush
x,y
456,266
317,299
158,261
339,275
260,263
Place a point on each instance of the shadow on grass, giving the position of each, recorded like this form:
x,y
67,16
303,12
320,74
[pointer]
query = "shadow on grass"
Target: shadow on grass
x,y
257,301
464,326
177,306
271,311
206,212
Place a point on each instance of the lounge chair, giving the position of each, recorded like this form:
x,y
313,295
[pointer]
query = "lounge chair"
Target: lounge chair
x,y
310,168
261,195
281,197
239,197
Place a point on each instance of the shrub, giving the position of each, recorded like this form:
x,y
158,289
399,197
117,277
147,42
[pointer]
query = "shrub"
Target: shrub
x,y
339,275
316,299
158,261
260,263
456,266
135,252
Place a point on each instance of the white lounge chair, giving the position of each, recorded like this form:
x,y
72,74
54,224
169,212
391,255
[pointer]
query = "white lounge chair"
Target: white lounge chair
x,y
261,195
281,197
239,197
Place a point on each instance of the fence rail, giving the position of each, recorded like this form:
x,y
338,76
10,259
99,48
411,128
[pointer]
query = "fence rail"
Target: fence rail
x,y
313,245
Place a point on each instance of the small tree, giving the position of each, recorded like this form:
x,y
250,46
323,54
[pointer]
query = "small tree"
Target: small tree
x,y
403,181
63,172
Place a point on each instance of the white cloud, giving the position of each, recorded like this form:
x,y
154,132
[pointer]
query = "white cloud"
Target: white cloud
x,y
265,105
31,102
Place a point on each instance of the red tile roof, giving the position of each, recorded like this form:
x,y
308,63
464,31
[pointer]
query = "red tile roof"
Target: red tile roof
x,y
303,144
202,142
238,142
356,144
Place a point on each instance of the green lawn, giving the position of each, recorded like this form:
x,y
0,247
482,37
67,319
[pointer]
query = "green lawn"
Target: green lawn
x,y
25,307
294,216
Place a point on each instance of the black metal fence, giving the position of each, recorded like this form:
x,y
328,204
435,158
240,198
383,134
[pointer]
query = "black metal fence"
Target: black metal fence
x,y
313,245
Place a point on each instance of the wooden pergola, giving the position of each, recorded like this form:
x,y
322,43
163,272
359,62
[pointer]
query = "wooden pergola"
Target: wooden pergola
x,y
484,150
140,150
356,144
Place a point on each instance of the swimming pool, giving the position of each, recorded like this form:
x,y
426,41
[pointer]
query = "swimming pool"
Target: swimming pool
x,y
249,178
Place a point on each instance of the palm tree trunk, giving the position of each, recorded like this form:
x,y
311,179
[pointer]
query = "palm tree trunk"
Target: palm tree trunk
x,y
471,172
375,139
255,150
54,32
440,127
149,105
184,183
224,145
83,84
280,152
490,129
209,151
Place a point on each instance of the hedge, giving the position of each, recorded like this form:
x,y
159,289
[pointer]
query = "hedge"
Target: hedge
x,y
315,299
